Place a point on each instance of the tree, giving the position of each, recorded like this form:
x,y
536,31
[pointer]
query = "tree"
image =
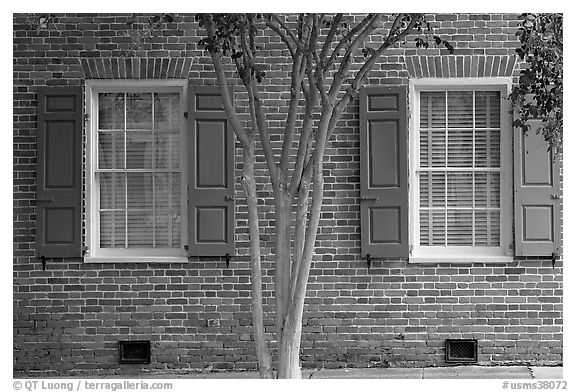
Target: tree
x,y
323,81
539,93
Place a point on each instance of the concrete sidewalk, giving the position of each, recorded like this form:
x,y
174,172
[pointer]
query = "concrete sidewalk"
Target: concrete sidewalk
x,y
466,372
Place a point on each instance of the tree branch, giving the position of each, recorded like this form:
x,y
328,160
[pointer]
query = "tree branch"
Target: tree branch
x,y
347,38
288,31
276,28
257,111
292,116
306,130
348,57
330,36
237,127
362,74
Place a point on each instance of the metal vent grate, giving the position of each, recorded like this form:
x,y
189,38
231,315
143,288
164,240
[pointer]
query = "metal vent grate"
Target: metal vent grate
x,y
134,351
461,350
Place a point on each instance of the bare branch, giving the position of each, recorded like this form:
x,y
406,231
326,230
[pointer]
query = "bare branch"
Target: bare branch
x,y
362,74
348,57
305,132
225,93
346,39
288,31
300,228
256,110
390,40
292,116
330,36
276,28
249,184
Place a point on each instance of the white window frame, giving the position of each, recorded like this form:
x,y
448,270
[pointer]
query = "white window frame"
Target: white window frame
x,y
461,254
95,254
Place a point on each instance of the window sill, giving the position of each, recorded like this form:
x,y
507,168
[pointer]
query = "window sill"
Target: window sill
x,y
136,259
460,259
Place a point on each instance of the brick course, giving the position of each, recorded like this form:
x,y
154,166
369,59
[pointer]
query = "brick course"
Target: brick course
x,y
68,318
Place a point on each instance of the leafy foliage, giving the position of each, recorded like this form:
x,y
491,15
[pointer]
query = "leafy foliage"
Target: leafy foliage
x,y
539,93
42,21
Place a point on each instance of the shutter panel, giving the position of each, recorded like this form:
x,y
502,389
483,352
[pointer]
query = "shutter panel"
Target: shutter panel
x,y
384,172
211,175
536,194
59,172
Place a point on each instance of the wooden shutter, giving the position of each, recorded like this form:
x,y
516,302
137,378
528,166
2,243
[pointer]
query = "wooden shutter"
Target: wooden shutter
x,y
384,172
536,195
59,172
211,175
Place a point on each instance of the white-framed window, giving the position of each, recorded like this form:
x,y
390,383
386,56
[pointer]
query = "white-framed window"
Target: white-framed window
x,y
136,174
460,170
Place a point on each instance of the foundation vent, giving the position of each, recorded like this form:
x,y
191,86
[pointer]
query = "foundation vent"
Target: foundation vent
x,y
134,351
461,350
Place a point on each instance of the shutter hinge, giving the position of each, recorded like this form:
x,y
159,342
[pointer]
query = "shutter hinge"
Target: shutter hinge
x,y
410,249
186,115
43,259
228,257
555,257
86,116
368,260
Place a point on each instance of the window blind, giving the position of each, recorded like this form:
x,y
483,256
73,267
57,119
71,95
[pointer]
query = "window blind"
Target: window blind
x,y
459,168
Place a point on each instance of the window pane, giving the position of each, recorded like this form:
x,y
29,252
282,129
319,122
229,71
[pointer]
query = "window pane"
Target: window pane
x,y
433,148
112,229
139,111
459,189
487,190
140,229
433,189
432,228
167,228
111,111
459,109
460,148
167,189
110,150
459,227
494,228
487,147
138,150
140,193
433,110
112,191
166,111
487,109
167,150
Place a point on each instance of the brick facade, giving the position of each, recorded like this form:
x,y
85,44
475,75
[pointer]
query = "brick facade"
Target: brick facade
x,y
69,317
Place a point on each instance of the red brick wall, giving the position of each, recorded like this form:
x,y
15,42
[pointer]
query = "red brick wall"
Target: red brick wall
x,y
68,318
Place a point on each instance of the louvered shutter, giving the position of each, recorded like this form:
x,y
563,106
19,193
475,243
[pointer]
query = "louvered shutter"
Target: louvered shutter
x,y
536,195
211,174
383,172
59,172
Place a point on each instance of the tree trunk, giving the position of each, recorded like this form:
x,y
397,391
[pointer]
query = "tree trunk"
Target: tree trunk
x,y
289,353
249,183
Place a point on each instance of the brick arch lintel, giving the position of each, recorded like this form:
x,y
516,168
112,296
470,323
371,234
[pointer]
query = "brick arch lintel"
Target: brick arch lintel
x,y
454,66
136,67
